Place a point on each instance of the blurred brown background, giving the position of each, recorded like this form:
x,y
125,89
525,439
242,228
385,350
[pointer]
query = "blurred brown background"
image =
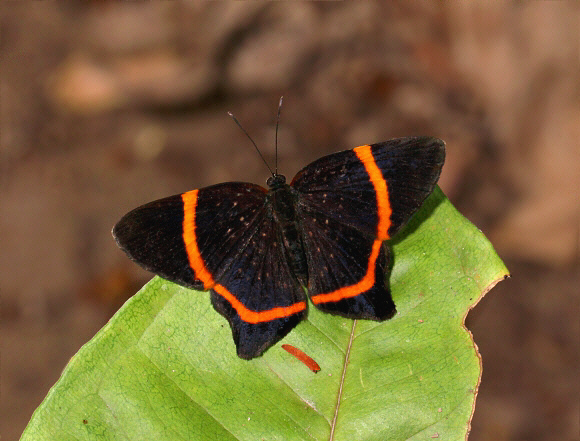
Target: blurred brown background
x,y
105,106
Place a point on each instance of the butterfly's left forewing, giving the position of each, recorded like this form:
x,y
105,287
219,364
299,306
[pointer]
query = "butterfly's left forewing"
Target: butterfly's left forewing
x,y
152,236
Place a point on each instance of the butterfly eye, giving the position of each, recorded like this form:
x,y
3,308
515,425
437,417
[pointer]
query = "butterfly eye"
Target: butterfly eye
x,y
276,181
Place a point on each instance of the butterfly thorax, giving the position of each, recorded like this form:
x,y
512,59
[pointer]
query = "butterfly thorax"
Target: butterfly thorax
x,y
283,199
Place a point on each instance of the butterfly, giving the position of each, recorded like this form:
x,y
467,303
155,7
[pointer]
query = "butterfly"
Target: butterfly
x,y
262,252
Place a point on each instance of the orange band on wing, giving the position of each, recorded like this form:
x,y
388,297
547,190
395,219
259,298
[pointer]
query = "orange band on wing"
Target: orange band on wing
x,y
384,210
366,283
364,153
201,272
190,239
250,316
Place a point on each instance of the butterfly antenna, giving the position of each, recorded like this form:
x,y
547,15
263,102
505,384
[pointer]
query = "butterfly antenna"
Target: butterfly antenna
x,y
277,124
250,138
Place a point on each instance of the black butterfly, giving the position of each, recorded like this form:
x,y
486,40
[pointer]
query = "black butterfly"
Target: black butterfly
x,y
257,250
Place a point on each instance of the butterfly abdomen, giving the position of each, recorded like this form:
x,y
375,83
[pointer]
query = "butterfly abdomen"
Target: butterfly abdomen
x,y
283,200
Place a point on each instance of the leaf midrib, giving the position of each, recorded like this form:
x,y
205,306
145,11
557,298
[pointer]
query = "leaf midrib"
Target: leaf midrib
x,y
341,384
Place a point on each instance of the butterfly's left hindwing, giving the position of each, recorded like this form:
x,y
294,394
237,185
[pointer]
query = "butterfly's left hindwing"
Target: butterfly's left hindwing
x,y
254,286
221,238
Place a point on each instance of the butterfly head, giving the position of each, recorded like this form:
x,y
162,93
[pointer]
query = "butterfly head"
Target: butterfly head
x,y
276,181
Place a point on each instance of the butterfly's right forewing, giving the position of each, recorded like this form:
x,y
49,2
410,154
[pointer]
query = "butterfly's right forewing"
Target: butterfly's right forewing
x,y
411,168
349,203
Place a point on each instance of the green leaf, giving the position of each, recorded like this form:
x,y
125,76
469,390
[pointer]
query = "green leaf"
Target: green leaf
x,y
165,368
